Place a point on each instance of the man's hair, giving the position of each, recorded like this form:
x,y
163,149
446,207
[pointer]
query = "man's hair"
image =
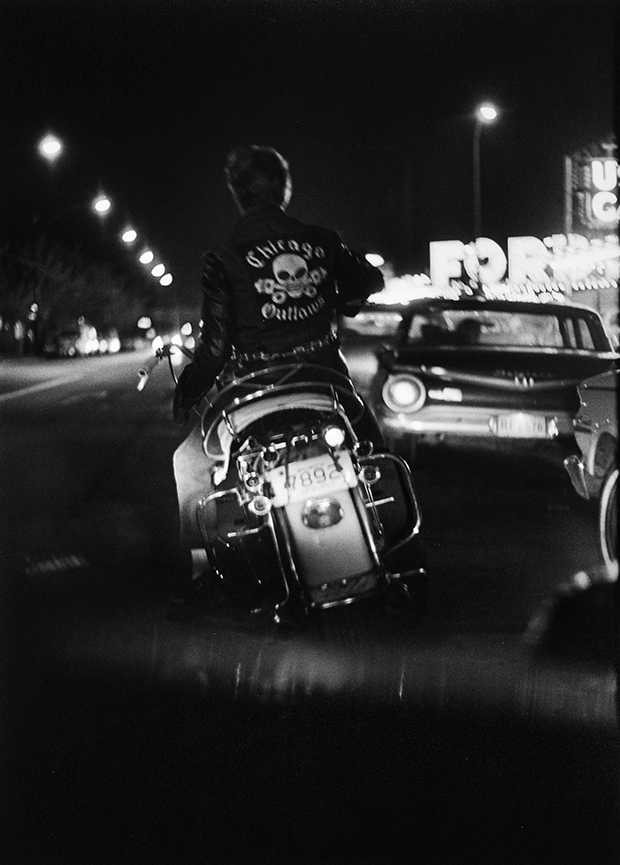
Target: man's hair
x,y
258,175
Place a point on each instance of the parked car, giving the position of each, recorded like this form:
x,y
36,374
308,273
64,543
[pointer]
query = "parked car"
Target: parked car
x,y
594,471
487,369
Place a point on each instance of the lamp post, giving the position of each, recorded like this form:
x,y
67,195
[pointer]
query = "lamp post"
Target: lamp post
x,y
50,147
485,114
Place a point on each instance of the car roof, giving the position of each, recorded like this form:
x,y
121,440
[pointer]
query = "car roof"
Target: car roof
x,y
384,307
471,304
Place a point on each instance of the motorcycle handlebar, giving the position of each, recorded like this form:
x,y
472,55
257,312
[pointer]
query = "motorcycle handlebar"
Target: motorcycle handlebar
x,y
165,351
145,371
149,366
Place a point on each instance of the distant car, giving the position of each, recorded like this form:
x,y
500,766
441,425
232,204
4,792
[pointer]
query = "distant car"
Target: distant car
x,y
487,369
594,471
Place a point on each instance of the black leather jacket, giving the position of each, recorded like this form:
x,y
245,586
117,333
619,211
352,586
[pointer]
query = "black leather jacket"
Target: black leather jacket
x,y
276,283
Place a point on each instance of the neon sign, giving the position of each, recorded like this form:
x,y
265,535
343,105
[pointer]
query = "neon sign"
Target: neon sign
x,y
528,260
603,193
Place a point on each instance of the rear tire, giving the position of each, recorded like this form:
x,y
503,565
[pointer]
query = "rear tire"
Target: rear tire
x,y
608,518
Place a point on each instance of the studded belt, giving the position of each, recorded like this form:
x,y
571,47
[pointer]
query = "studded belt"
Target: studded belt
x,y
305,348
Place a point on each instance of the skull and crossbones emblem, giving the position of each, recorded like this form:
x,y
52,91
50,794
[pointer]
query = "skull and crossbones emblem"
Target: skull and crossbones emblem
x,y
292,279
292,276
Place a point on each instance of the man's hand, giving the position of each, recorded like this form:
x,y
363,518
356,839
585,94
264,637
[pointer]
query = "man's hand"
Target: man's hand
x,y
351,309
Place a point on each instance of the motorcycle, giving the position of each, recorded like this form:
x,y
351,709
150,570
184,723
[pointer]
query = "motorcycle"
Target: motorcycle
x,y
304,515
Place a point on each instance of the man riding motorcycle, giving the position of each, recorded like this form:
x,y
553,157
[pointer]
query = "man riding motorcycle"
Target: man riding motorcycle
x,y
271,294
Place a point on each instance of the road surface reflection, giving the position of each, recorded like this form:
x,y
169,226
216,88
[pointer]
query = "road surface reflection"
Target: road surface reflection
x,y
230,654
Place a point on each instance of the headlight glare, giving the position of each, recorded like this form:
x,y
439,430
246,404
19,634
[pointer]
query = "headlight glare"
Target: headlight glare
x,y
404,393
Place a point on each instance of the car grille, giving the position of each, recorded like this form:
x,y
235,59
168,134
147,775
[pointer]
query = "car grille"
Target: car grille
x,y
523,375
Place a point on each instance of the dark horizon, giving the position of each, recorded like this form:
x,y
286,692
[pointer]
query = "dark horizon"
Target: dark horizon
x,y
372,104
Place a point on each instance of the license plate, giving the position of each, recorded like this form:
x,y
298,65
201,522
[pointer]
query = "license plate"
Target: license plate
x,y
312,477
520,426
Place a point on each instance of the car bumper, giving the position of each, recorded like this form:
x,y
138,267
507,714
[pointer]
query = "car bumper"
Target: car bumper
x,y
577,473
587,486
477,423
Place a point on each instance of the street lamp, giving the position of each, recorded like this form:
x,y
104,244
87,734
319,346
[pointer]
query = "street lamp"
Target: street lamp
x,y
129,235
50,147
485,114
102,204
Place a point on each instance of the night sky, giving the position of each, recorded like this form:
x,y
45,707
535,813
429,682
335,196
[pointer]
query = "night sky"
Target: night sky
x,y
371,102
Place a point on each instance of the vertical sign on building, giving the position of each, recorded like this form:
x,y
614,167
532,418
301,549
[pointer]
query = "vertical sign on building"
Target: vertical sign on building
x,y
591,193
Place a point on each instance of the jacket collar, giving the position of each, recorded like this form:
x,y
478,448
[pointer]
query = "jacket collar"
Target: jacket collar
x,y
258,213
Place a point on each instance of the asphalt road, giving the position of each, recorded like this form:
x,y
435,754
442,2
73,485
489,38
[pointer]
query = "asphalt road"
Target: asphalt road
x,y
129,737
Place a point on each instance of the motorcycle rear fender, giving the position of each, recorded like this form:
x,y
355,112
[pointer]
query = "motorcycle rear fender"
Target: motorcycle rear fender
x,y
332,566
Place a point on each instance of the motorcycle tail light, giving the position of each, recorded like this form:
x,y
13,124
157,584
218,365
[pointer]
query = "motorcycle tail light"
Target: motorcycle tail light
x,y
260,505
404,393
334,436
363,448
369,474
270,456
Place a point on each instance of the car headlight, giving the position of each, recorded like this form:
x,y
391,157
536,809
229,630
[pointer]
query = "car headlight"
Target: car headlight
x,y
404,393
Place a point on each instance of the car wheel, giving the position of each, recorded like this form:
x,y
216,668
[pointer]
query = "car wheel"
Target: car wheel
x,y
608,518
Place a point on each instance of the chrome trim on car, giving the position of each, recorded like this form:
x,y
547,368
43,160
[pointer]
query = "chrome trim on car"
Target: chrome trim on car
x,y
583,425
577,473
474,422
517,383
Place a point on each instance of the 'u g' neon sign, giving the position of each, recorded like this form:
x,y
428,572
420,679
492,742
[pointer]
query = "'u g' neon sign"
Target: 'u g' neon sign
x,y
603,194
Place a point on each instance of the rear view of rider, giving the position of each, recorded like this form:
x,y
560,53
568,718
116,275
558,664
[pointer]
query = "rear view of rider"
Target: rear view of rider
x,y
271,293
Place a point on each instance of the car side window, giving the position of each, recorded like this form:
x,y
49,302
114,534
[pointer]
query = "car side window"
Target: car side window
x,y
545,332
582,332
577,334
424,330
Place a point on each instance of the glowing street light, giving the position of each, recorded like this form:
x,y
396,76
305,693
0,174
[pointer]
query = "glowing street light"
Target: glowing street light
x,y
50,147
485,114
102,204
158,270
166,279
146,257
374,259
129,235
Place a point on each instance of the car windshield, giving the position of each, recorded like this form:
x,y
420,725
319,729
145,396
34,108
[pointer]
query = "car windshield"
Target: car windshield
x,y
374,322
499,328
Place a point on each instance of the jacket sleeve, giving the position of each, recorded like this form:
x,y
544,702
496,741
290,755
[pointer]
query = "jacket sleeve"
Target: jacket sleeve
x,y
214,345
356,279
